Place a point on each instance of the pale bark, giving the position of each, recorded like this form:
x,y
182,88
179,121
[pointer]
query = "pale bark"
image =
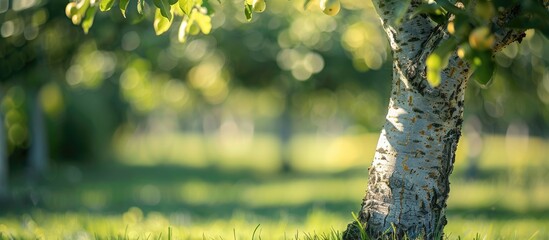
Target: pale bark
x,y
409,177
408,183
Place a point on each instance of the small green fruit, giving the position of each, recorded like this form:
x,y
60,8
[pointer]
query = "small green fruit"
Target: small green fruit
x,y
76,19
481,38
259,5
330,7
70,9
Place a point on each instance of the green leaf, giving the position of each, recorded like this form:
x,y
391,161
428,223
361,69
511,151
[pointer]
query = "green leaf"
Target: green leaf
x,y
536,20
88,19
461,27
400,8
132,13
106,5
123,5
186,6
165,8
172,2
161,24
203,21
427,8
433,10
248,10
438,60
484,67
451,8
140,6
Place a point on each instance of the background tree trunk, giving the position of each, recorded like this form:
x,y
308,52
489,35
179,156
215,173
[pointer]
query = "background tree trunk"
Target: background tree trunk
x,y
285,134
3,158
38,156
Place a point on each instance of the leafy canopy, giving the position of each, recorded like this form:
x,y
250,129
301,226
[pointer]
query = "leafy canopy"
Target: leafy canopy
x,y
471,24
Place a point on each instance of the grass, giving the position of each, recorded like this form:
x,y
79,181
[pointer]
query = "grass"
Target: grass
x,y
230,197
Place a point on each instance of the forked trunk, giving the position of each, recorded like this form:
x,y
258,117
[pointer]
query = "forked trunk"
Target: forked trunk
x,y
408,180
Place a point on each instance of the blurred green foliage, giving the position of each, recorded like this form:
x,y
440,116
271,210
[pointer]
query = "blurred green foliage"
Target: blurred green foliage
x,y
292,70
210,109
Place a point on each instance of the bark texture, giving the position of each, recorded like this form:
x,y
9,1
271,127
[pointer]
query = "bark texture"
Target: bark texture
x,y
408,183
409,177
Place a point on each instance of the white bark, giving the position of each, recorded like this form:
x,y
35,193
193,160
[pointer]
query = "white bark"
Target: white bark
x,y
408,184
409,177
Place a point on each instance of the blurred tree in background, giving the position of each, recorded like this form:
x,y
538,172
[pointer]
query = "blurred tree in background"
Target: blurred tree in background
x,y
292,70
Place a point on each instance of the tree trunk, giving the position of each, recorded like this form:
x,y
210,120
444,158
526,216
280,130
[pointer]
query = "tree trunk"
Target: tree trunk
x,y
38,156
408,180
3,158
285,134
409,177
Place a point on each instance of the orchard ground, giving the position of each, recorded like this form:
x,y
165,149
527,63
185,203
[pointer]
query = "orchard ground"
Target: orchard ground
x,y
184,186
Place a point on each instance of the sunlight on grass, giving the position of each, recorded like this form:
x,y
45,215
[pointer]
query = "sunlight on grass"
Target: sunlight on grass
x,y
309,152
134,224
202,191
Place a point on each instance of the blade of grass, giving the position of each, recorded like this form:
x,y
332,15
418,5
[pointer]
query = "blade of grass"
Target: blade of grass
x,y
253,234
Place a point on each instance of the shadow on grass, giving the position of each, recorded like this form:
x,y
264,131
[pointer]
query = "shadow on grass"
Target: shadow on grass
x,y
113,189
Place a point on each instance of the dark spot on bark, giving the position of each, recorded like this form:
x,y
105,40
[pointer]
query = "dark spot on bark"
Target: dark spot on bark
x,y
459,122
417,110
381,150
437,125
521,36
420,153
414,39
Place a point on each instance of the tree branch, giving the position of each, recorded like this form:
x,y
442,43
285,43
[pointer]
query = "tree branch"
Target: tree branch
x,y
407,36
505,36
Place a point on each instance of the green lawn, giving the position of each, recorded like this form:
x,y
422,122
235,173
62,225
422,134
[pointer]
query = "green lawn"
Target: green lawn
x,y
231,191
